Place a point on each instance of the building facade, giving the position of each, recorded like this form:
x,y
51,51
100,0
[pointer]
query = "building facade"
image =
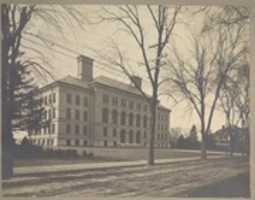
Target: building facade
x,y
88,111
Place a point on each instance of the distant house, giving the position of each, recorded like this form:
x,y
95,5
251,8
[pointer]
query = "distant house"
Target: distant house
x,y
238,136
100,111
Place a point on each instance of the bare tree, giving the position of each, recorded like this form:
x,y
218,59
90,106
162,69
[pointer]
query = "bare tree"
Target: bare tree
x,y
200,79
163,21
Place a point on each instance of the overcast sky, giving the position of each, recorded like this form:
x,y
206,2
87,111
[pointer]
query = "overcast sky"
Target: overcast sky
x,y
98,38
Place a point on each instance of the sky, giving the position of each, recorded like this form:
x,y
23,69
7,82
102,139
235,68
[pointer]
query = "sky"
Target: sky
x,y
94,38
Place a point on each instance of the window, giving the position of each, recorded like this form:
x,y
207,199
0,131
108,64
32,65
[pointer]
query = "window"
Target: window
x,y
69,98
105,99
105,131
85,142
77,142
105,143
49,112
53,128
138,106
123,118
68,129
138,120
123,102
114,133
77,100
131,105
77,114
115,101
138,137
144,134
84,130
77,129
130,119
145,108
68,113
122,136
85,101
54,97
54,113
50,99
130,136
114,117
145,121
105,114
45,100
85,116
114,143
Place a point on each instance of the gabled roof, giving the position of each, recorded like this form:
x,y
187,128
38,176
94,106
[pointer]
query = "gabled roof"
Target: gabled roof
x,y
116,84
74,81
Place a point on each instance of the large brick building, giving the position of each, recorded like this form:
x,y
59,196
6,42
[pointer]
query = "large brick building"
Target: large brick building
x,y
88,111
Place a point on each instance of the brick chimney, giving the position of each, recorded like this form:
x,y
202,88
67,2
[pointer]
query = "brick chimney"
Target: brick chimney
x,y
137,80
85,68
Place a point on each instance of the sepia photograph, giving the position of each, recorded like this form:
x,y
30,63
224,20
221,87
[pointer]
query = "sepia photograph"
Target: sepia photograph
x,y
125,100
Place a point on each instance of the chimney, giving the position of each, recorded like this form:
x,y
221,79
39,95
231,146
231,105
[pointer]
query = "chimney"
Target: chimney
x,y
85,68
137,80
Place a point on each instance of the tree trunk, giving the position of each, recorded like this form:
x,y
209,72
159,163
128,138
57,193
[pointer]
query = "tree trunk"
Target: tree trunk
x,y
152,133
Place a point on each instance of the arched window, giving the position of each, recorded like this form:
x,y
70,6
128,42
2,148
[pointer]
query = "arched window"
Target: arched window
x,y
105,114
130,136
138,137
130,119
122,136
145,121
138,120
114,117
123,118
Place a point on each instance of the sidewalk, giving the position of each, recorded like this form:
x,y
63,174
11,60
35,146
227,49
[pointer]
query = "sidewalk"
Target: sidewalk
x,y
35,170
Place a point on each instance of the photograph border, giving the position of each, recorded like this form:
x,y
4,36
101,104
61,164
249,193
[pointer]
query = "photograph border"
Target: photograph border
x,y
249,3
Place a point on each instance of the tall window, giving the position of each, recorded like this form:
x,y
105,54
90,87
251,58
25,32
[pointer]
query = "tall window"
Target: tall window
x,y
105,99
115,101
105,130
84,130
145,121
131,105
45,100
145,108
77,142
77,129
138,137
130,136
130,119
68,129
105,115
123,102
122,136
85,101
68,142
85,116
54,113
114,132
69,98
53,128
138,120
68,113
54,97
114,117
144,134
123,118
138,106
77,114
77,100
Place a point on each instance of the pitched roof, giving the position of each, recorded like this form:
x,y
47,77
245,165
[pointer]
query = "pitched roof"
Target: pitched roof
x,y
116,84
74,81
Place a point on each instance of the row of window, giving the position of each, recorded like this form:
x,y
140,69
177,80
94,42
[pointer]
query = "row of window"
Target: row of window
x,y
77,99
77,142
49,114
123,118
50,99
124,103
77,129
48,129
77,115
43,141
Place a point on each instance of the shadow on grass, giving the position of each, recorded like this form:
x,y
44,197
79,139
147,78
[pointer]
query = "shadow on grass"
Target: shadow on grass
x,y
237,186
